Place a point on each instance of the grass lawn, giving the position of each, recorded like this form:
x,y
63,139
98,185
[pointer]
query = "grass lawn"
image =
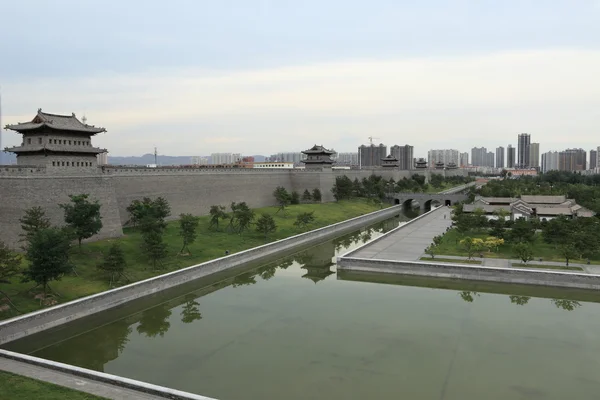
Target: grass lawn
x,y
521,265
209,245
15,387
450,260
450,246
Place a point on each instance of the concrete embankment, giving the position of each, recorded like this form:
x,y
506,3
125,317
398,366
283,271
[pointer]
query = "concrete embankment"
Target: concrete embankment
x,y
25,325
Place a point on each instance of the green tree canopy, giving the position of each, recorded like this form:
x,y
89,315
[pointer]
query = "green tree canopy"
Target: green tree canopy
x,y
114,263
216,213
49,256
282,197
82,216
342,188
294,197
266,224
304,219
306,196
316,195
188,226
523,252
33,221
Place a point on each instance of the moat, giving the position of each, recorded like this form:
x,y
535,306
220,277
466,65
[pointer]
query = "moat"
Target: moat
x,y
294,329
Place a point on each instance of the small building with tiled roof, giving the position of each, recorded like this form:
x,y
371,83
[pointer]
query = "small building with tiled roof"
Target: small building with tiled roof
x,y
389,162
542,207
59,143
318,158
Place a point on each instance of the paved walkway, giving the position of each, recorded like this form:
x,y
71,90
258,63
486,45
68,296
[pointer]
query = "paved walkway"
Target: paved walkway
x,y
73,382
409,242
507,263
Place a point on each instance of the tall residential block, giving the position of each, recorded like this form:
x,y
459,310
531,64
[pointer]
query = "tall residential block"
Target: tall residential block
x,y
572,160
346,158
479,156
593,159
464,159
524,139
500,157
489,159
510,156
370,156
534,155
404,155
445,156
550,161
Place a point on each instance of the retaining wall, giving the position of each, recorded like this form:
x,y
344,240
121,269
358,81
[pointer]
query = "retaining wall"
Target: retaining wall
x,y
19,327
473,273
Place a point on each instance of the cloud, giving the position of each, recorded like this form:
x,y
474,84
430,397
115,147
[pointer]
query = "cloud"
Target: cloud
x,y
428,102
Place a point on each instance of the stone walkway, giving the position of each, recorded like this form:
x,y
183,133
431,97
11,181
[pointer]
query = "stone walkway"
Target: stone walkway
x,y
409,241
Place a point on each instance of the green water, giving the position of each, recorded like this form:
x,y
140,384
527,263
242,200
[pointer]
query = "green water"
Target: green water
x,y
295,330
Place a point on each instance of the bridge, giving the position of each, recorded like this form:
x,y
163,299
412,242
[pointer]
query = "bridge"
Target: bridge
x,y
448,197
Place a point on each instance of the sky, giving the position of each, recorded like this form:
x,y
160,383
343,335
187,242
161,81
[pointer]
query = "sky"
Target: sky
x,y
194,77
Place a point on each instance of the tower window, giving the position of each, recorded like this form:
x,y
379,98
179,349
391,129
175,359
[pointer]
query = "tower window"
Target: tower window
x,y
40,140
28,140
54,163
59,141
69,142
63,163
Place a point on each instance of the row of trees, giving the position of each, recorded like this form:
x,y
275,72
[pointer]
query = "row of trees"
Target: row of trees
x,y
376,187
285,198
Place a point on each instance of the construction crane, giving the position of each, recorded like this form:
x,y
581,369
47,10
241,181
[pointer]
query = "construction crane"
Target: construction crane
x,y
371,139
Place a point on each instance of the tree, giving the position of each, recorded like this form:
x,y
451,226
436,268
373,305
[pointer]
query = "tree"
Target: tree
x,y
342,188
436,180
492,242
437,240
152,239
155,321
304,219
158,208
282,197
306,196
294,197
216,213
568,251
471,246
244,217
82,216
188,224
266,224
468,296
522,231
519,300
316,195
565,304
431,250
48,254
114,263
523,252
33,221
191,310
10,267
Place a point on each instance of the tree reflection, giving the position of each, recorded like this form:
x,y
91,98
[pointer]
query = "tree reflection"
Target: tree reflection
x,y
191,310
155,321
244,279
565,304
267,272
285,264
519,300
468,296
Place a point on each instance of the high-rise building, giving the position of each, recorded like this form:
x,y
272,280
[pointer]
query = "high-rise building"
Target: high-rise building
x,y
464,159
550,161
199,160
370,156
347,159
404,155
445,156
524,140
572,160
534,155
225,158
489,159
478,156
500,157
593,159
510,156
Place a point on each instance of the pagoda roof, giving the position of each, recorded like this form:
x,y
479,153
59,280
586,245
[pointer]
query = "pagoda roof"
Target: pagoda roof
x,y
389,158
318,149
57,122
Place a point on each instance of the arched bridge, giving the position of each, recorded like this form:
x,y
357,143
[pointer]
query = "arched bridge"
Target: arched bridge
x,y
427,200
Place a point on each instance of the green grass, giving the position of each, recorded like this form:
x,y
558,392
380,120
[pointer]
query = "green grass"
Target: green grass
x,y
15,387
542,266
450,246
450,260
209,245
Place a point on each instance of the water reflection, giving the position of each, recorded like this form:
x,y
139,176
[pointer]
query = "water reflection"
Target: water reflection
x,y
154,322
565,304
191,310
568,305
519,300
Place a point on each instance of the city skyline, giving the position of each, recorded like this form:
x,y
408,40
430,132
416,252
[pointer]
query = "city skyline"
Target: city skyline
x,y
284,87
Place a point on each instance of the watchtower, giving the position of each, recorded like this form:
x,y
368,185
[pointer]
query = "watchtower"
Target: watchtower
x,y
58,143
318,158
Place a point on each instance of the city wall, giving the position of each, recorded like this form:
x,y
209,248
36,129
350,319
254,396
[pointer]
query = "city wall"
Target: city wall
x,y
188,190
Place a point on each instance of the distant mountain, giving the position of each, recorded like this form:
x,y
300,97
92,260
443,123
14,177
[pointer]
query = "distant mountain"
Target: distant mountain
x,y
162,160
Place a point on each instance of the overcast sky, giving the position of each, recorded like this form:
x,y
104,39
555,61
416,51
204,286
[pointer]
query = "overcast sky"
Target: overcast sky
x,y
258,77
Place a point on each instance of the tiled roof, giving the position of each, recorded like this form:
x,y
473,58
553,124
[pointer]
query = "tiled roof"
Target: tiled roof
x,y
544,199
389,158
57,149
505,200
316,149
54,121
541,211
486,208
